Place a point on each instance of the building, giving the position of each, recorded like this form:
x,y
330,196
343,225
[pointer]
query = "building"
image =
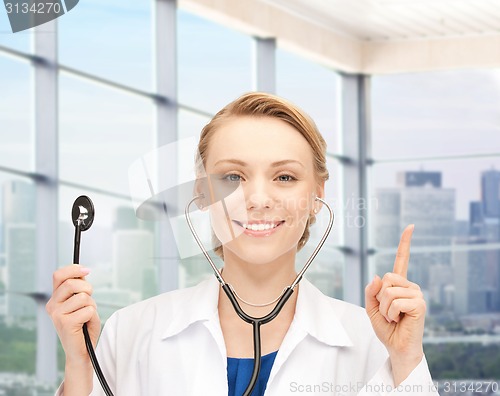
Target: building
x,y
21,269
133,257
419,200
475,278
18,213
483,270
490,193
419,179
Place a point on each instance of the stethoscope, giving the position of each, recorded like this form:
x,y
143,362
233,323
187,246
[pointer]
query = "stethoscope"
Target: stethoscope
x,y
257,322
83,216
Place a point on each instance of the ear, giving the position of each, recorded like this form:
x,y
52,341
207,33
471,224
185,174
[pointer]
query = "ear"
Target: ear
x,y
320,192
201,190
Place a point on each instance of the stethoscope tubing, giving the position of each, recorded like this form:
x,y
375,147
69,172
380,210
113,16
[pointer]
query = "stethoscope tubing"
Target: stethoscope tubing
x,y
86,335
257,322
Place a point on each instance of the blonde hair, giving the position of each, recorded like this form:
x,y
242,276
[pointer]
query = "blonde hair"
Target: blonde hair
x,y
259,104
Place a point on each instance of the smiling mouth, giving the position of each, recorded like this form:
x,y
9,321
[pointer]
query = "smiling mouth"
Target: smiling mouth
x,y
265,226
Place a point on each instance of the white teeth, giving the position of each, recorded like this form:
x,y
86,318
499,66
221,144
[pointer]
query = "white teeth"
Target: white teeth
x,y
259,227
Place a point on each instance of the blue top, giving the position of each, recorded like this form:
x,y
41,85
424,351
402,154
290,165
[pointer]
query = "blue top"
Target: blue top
x,y
239,372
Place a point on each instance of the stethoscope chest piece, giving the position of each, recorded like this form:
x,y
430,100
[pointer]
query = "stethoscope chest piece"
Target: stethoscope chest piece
x,y
83,212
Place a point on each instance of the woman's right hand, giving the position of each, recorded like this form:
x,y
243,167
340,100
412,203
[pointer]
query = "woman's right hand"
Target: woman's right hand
x,y
70,306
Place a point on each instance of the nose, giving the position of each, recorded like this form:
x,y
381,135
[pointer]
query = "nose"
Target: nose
x,y
258,195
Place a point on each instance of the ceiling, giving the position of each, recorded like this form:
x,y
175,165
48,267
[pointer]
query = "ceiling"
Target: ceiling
x,y
383,20
371,36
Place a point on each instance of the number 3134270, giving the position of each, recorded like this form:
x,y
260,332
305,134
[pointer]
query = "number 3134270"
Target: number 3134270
x,y
33,8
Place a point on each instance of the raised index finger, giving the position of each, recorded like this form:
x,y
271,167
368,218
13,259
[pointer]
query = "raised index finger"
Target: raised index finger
x,y
403,253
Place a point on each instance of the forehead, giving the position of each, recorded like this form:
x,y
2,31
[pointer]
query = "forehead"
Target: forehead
x,y
258,138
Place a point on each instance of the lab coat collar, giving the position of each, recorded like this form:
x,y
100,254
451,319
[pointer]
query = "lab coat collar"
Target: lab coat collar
x,y
315,313
198,305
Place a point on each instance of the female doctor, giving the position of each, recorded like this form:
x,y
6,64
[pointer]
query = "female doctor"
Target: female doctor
x,y
191,341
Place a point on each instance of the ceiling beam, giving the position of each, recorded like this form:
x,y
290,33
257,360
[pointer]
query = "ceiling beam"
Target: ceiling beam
x,y
332,48
433,54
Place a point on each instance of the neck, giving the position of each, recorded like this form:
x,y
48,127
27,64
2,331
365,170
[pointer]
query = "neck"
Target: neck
x,y
259,283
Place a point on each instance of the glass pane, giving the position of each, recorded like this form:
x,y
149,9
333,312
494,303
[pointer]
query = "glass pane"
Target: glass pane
x,y
102,132
466,362
327,270
19,41
193,269
16,117
333,196
461,339
435,114
119,249
455,255
444,200
315,89
17,280
191,124
110,39
214,63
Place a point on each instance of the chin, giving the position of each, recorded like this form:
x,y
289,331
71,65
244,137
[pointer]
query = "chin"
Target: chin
x,y
258,255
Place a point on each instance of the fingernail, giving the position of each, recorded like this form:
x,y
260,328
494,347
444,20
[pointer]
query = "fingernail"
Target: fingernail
x,y
85,270
411,226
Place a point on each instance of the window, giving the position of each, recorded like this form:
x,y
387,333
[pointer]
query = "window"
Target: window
x,y
19,41
17,275
436,164
214,63
16,149
102,131
112,40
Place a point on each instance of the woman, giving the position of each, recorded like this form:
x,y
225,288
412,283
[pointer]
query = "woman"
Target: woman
x,y
191,342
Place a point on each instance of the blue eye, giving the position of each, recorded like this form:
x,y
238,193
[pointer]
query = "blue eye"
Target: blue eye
x,y
232,177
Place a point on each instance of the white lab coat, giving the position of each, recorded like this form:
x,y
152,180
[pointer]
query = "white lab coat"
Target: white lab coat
x,y
172,344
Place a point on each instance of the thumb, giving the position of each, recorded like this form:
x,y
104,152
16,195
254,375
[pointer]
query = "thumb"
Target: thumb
x,y
371,292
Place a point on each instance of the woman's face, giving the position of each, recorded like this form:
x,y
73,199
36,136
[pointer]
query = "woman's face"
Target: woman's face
x,y
270,164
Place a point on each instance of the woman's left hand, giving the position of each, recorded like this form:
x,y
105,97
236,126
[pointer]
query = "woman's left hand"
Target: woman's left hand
x,y
396,308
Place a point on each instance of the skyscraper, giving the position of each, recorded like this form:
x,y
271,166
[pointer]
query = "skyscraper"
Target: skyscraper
x,y
18,202
132,260
21,269
485,226
490,193
476,218
19,238
17,206
419,179
419,200
475,279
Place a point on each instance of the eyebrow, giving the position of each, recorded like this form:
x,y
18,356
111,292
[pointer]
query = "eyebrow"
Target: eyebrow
x,y
274,164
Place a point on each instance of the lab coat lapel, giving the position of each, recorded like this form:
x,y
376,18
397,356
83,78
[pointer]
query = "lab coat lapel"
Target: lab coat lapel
x,y
315,317
201,310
